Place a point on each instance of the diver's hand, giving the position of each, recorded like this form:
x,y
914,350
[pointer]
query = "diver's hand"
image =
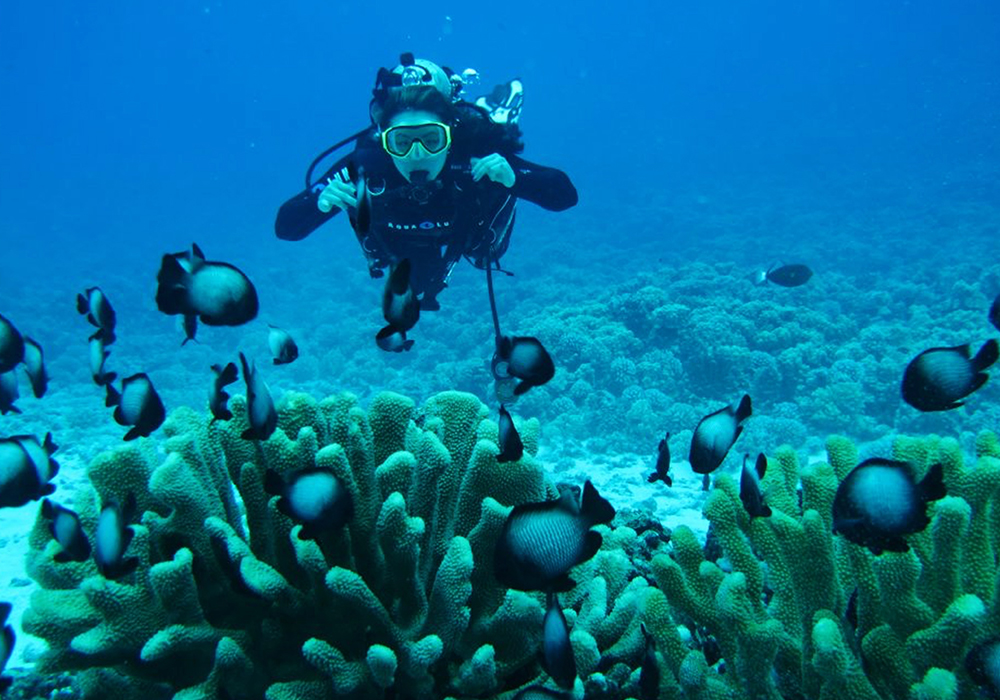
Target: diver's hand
x,y
339,192
495,167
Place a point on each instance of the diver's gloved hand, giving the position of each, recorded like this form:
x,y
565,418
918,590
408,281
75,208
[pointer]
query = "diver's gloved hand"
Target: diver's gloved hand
x,y
495,167
339,192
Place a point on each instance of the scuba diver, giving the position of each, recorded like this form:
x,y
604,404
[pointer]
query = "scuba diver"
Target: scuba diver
x,y
433,179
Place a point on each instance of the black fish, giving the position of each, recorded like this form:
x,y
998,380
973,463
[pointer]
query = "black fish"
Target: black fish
x,y
541,542
511,447
784,276
525,358
715,434
218,398
649,672
112,538
99,312
98,356
66,529
6,644
218,293
190,329
391,340
138,405
260,405
34,365
314,497
11,346
938,379
750,491
361,221
880,501
982,663
995,313
400,306
662,463
26,469
557,652
540,692
283,347
8,393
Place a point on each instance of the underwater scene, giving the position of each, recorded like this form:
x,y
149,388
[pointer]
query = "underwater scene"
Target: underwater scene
x,y
538,350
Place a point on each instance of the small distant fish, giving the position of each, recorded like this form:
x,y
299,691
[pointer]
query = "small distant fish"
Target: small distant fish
x,y
540,692
218,293
112,538
541,542
218,398
6,645
511,447
263,417
880,501
11,346
391,340
190,329
784,276
138,405
34,365
982,663
649,672
283,347
716,434
939,378
99,312
525,358
400,306
557,652
314,497
662,463
8,393
64,524
98,356
995,313
751,493
26,469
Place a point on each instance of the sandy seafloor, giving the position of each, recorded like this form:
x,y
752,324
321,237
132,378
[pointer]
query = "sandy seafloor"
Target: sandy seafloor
x,y
890,281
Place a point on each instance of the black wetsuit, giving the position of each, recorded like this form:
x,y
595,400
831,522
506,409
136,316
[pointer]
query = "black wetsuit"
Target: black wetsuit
x,y
435,223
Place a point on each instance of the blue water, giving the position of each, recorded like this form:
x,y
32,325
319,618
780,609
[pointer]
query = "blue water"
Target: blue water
x,y
706,140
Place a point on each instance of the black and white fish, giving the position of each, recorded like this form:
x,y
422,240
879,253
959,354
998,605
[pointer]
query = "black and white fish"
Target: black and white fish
x,y
662,463
511,447
95,306
8,393
880,501
400,306
784,276
218,293
34,365
982,663
557,652
282,345
751,493
190,329
525,358
137,406
649,671
218,397
112,538
99,354
260,406
6,645
715,434
314,497
26,469
391,340
540,692
939,378
64,524
995,313
541,542
11,346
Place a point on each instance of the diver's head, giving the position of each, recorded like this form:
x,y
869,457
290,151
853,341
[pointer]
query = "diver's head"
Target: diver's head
x,y
411,73
415,130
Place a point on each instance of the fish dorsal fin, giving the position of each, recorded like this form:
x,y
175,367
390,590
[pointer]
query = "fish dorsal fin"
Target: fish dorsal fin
x,y
744,410
196,253
594,507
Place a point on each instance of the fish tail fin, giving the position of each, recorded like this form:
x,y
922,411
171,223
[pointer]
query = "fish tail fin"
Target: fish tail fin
x,y
744,410
668,481
932,485
48,511
112,397
521,388
226,375
171,290
133,434
408,344
759,278
81,304
594,507
654,477
399,277
761,465
987,355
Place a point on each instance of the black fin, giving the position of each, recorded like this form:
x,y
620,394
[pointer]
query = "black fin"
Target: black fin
x,y
273,483
62,557
112,397
48,510
653,477
932,485
761,465
122,569
133,434
171,290
249,434
744,410
987,355
82,306
592,542
564,583
196,252
668,481
226,375
594,507
521,388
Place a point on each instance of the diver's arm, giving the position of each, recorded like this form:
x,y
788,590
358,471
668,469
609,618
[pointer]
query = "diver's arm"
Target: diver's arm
x,y
301,215
549,188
